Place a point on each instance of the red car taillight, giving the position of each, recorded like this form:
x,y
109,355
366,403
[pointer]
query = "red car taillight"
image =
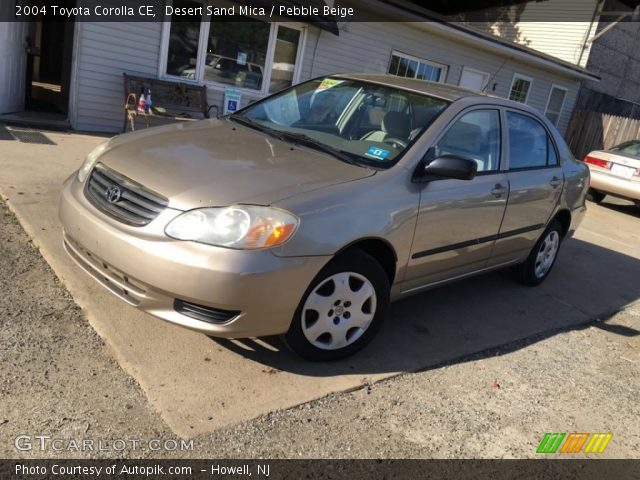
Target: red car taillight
x,y
598,162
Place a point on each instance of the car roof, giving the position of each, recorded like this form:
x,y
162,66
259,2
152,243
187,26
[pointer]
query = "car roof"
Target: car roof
x,y
442,90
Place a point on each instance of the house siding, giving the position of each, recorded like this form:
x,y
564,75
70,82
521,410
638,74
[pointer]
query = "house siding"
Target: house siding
x,y
540,25
106,50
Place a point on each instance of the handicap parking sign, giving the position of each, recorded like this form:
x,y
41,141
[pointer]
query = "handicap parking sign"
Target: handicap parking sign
x,y
232,97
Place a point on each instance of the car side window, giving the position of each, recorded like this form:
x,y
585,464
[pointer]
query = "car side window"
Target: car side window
x,y
529,143
476,136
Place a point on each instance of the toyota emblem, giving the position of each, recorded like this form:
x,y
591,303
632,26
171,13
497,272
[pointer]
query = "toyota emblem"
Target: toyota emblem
x,y
113,194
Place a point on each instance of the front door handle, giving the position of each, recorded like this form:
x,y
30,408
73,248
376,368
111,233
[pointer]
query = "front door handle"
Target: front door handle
x,y
555,182
498,190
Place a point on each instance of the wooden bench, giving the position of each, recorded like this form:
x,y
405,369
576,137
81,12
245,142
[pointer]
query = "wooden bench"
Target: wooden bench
x,y
171,101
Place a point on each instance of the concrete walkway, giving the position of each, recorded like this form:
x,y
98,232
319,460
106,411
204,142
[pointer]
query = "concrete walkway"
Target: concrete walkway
x,y
199,385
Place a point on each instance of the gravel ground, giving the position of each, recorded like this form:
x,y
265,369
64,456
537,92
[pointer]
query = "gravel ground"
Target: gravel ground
x,y
58,378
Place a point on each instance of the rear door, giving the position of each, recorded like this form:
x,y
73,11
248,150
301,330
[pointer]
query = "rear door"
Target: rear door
x,y
535,184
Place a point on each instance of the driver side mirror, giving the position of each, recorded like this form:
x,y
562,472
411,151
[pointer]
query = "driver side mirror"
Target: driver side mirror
x,y
447,166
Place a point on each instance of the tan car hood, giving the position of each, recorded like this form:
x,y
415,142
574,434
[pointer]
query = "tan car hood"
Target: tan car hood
x,y
218,162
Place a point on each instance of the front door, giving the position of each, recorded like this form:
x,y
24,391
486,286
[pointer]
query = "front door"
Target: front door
x,y
458,220
535,185
13,61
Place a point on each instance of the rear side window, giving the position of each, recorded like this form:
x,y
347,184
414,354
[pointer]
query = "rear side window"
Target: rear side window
x,y
529,144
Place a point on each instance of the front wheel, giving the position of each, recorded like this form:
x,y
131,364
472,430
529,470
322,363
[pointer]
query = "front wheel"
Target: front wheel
x,y
342,309
543,256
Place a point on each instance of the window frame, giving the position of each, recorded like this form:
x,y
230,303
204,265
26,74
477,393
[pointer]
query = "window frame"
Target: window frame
x,y
487,76
443,73
519,76
205,26
564,99
502,166
550,138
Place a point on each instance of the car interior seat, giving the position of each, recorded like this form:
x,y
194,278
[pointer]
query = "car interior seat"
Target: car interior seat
x,y
393,125
465,140
422,116
522,152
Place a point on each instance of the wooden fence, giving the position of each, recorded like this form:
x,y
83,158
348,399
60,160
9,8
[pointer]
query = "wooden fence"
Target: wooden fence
x,y
589,131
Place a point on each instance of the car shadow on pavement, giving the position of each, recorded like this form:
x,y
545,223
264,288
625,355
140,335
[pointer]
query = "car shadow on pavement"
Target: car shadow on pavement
x,y
482,314
626,208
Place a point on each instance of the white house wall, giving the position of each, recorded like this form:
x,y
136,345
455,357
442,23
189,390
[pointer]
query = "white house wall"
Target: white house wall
x,y
556,27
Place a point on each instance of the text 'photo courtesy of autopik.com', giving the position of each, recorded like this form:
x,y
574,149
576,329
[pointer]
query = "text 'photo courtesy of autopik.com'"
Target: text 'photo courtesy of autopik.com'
x,y
319,239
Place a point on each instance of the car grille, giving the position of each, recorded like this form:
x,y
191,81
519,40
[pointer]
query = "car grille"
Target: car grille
x,y
121,198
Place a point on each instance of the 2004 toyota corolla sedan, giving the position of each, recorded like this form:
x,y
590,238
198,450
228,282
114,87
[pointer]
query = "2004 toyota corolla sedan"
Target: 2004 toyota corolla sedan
x,y
307,212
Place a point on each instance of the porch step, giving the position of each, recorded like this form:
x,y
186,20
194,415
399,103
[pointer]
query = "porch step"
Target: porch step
x,y
46,120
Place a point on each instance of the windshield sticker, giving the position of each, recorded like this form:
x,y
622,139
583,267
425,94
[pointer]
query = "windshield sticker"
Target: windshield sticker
x,y
377,153
328,83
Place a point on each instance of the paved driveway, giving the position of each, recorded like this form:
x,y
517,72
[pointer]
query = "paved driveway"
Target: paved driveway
x,y
199,385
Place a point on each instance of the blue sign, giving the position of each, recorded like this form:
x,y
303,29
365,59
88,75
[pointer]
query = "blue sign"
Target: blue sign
x,y
377,153
232,98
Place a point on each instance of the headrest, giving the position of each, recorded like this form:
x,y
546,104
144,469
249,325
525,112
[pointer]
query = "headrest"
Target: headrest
x,y
397,124
465,136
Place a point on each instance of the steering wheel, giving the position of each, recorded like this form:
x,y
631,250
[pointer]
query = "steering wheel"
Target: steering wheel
x,y
396,142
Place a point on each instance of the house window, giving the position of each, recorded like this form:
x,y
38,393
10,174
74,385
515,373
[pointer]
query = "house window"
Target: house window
x,y
257,56
284,58
182,51
520,88
237,53
412,67
473,79
555,104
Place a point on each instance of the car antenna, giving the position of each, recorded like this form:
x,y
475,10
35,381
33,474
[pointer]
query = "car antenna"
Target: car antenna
x,y
494,75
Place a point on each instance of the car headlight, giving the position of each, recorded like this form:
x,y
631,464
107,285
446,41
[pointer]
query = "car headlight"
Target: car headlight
x,y
240,226
90,161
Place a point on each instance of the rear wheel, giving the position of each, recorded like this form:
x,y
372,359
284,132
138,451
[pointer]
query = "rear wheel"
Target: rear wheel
x,y
540,261
595,196
342,309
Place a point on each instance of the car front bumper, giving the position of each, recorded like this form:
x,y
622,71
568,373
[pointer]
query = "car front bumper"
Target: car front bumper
x,y
617,186
256,289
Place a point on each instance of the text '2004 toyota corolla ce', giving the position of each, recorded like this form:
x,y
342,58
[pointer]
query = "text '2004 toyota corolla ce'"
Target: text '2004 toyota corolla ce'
x,y
307,212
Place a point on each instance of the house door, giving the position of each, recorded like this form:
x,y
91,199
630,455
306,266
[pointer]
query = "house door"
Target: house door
x,y
13,64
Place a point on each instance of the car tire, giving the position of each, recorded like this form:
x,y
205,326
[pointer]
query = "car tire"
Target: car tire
x,y
595,196
536,268
342,310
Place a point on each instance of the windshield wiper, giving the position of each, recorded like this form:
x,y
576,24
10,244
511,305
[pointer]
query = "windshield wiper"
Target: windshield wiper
x,y
307,141
298,139
255,125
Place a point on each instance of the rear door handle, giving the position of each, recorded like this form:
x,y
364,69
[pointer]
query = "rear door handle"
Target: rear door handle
x,y
498,190
555,182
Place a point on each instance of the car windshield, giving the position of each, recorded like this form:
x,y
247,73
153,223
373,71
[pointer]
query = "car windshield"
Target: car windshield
x,y
630,148
356,121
